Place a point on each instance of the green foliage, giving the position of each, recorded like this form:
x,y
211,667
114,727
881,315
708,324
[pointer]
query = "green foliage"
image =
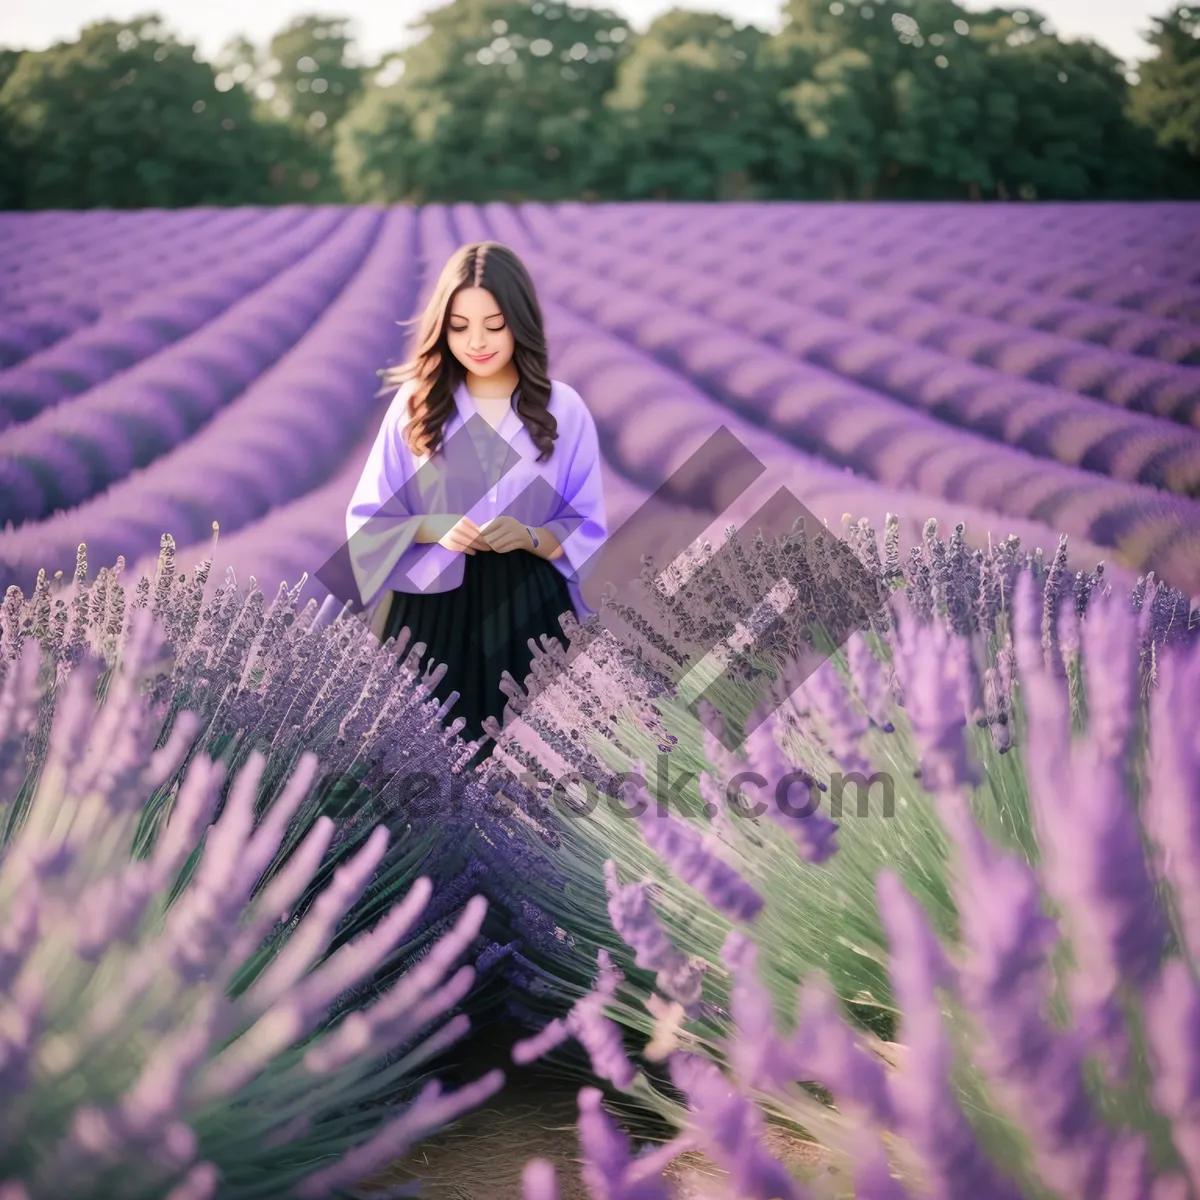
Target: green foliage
x,y
921,99
1167,98
539,100
500,99
698,117
129,117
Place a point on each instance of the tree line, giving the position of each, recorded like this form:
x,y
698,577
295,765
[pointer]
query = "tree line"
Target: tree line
x,y
515,100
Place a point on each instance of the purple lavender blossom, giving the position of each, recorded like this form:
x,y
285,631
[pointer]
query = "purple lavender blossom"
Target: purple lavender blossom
x,y
695,861
955,1166
761,1059
1172,1013
1037,1071
828,695
588,1025
814,834
870,681
635,920
732,1129
1172,815
828,1051
934,669
1093,862
607,1161
538,1181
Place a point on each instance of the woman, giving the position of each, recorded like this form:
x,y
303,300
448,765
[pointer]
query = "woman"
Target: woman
x,y
481,503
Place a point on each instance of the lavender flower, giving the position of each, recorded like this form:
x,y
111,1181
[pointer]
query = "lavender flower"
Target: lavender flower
x,y
1172,1010
812,831
1173,783
870,681
608,1167
588,1025
827,1050
84,887
694,859
827,694
1093,861
954,1163
760,1057
934,670
1005,978
636,921
732,1130
538,1181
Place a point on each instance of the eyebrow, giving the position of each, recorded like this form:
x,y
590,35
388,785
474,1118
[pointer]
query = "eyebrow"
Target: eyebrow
x,y
460,317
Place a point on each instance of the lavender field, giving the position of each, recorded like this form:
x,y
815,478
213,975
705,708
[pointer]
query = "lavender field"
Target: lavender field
x,y
1031,370
993,983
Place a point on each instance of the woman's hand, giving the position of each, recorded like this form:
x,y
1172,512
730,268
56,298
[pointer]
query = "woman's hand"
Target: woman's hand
x,y
504,534
453,532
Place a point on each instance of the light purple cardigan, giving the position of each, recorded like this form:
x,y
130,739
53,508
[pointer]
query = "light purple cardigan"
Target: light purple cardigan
x,y
482,473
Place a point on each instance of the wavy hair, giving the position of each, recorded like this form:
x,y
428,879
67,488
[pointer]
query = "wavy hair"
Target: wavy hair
x,y
437,373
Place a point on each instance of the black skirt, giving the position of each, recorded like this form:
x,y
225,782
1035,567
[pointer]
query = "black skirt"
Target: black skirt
x,y
481,628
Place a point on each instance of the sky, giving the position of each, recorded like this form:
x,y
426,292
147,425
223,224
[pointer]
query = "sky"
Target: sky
x,y
380,24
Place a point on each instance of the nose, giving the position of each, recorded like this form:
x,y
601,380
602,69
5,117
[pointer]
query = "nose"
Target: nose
x,y
477,341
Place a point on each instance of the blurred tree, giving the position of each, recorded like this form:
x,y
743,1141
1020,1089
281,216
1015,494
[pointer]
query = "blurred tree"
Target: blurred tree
x,y
1167,95
314,74
922,99
301,85
697,115
501,99
129,117
11,170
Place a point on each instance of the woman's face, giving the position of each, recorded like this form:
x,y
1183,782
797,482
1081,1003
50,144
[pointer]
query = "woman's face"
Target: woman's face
x,y
477,333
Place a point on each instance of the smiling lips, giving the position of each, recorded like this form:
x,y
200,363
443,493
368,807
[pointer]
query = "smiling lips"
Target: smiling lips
x,y
482,358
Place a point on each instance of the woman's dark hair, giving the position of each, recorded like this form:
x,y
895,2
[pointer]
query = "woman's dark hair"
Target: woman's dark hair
x,y
437,373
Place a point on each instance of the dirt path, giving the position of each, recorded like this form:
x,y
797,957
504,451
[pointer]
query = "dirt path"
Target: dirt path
x,y
481,1158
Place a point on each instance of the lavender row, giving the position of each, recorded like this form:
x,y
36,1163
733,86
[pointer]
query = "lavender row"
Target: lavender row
x,y
50,312
729,288
112,253
650,420
133,333
1147,242
84,444
894,445
884,258
201,1038
832,313
287,433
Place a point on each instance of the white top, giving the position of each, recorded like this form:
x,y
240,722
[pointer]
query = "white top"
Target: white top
x,y
493,409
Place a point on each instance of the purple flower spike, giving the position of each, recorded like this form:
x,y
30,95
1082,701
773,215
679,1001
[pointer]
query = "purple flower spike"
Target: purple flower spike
x,y
1110,660
634,918
955,1165
695,861
1172,1012
732,1128
828,1051
1172,815
813,833
827,694
607,1161
759,1056
935,670
1036,1070
587,1024
870,680
873,1178
538,1181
